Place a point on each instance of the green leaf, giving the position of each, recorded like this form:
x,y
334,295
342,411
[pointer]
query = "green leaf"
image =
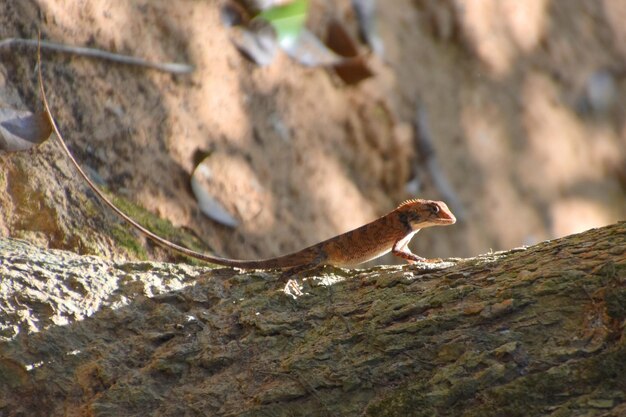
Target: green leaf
x,y
287,20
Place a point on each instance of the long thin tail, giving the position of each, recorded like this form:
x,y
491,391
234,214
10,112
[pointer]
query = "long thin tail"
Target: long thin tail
x,y
282,262
309,256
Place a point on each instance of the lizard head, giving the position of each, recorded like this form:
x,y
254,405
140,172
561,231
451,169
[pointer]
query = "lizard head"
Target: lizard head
x,y
417,214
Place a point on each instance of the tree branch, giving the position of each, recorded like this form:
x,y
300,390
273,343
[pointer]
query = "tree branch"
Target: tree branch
x,y
537,331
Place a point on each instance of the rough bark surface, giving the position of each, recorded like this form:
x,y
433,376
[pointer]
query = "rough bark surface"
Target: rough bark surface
x,y
530,332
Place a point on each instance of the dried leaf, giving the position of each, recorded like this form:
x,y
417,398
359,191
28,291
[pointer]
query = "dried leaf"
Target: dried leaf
x,y
209,206
20,130
353,69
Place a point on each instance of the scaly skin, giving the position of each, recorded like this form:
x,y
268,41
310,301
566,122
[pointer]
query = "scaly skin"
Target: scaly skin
x,y
390,233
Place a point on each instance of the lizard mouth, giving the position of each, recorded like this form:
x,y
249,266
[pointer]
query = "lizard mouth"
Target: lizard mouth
x,y
445,219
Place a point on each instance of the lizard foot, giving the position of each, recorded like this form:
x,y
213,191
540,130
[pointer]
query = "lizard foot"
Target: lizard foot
x,y
433,261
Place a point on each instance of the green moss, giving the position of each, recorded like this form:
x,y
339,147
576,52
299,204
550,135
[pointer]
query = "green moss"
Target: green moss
x,y
128,241
160,227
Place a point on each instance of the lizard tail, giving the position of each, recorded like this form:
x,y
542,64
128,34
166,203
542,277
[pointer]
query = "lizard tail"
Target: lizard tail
x,y
310,256
313,255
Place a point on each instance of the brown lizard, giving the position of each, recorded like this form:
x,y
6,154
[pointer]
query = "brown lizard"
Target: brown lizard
x,y
390,233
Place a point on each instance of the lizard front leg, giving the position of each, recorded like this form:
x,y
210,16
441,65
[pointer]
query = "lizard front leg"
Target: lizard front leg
x,y
401,250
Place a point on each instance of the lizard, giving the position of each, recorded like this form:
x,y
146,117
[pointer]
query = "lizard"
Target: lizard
x,y
389,233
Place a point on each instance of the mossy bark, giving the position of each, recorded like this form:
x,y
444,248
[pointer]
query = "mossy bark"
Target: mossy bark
x,y
537,331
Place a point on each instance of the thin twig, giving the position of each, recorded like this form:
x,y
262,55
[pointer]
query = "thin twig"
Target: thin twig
x,y
171,67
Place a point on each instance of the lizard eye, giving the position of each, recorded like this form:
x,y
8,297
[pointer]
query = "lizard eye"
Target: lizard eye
x,y
434,208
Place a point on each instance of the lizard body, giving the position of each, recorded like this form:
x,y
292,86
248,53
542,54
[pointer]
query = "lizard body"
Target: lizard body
x,y
389,233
